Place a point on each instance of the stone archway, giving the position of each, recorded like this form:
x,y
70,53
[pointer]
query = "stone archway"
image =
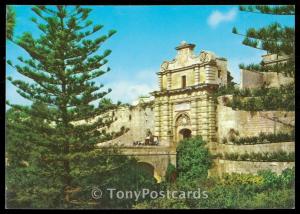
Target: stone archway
x,y
182,127
185,133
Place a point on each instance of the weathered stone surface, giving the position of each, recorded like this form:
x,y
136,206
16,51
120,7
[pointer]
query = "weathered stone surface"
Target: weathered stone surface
x,y
228,166
157,156
257,148
251,124
186,108
251,79
255,79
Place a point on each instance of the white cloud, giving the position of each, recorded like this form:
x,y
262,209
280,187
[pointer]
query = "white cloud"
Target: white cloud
x,y
217,17
128,90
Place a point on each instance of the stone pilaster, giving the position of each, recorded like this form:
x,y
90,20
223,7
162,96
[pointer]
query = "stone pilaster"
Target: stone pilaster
x,y
157,128
211,118
165,121
197,75
171,107
211,74
169,81
204,119
194,121
160,83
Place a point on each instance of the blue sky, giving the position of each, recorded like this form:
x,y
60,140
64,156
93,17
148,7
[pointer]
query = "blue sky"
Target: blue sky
x,y
147,35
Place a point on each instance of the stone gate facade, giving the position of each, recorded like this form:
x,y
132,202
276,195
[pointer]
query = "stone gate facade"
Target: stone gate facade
x,y
184,104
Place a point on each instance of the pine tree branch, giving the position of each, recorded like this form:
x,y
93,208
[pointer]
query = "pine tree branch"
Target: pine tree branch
x,y
270,10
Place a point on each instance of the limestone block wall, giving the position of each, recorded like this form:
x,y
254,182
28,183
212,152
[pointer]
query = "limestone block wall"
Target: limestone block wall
x,y
176,78
251,79
251,123
137,119
255,79
273,79
222,67
123,140
142,120
228,166
257,148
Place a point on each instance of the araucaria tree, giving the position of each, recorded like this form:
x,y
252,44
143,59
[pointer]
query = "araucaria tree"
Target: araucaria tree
x,y
274,38
63,63
10,22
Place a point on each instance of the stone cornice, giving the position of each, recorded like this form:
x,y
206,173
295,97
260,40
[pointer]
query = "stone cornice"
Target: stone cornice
x,y
185,90
202,64
185,45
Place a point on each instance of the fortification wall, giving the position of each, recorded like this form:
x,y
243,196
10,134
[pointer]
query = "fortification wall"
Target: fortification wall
x,y
137,118
256,148
251,79
255,79
251,123
228,166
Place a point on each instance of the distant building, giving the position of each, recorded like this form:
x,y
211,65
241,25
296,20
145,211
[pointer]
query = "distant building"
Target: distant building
x,y
256,79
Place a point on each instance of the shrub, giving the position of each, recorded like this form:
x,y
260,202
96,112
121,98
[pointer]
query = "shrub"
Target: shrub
x,y
280,156
171,173
265,138
241,179
193,159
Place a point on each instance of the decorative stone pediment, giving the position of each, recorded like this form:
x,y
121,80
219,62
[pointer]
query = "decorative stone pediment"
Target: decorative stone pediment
x,y
186,57
164,66
183,120
206,56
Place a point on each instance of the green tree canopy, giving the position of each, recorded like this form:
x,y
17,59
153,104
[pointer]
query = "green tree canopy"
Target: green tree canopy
x,y
193,159
274,38
63,63
10,22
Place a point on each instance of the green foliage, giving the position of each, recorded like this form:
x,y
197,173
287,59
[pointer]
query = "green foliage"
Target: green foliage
x,y
128,176
10,22
193,159
263,138
145,105
57,135
267,9
261,99
286,68
280,156
29,179
36,184
265,190
274,38
171,173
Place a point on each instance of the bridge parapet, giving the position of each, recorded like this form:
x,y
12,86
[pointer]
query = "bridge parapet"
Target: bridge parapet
x,y
158,156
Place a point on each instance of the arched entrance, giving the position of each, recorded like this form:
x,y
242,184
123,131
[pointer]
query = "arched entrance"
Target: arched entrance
x,y
185,133
150,170
182,127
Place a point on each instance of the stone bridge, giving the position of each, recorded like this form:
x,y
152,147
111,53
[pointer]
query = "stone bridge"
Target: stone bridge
x,y
158,157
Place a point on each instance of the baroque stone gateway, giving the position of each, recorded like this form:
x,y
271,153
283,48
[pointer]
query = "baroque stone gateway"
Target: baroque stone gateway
x,y
184,107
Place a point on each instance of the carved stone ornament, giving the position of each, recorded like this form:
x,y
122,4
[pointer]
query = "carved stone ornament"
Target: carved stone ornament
x,y
205,57
183,120
164,66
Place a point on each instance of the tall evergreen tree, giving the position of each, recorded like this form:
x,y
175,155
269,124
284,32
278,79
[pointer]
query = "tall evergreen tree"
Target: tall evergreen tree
x,y
274,38
63,63
10,22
